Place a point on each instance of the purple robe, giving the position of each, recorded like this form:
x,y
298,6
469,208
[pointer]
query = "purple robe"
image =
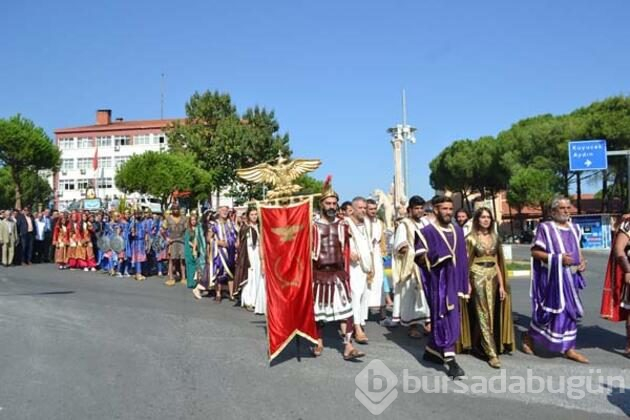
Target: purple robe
x,y
556,305
443,260
224,258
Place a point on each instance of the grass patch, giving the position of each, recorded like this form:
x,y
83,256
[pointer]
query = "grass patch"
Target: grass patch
x,y
517,265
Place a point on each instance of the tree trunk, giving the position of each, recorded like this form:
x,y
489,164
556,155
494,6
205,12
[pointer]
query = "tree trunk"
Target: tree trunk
x,y
565,176
579,192
18,190
218,198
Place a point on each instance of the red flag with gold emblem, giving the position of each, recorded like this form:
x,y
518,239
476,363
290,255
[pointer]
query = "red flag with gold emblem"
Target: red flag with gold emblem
x,y
286,242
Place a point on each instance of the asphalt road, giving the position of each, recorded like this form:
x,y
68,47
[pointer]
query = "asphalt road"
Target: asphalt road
x,y
84,346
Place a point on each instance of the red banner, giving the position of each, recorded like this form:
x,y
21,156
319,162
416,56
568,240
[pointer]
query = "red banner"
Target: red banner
x,y
286,241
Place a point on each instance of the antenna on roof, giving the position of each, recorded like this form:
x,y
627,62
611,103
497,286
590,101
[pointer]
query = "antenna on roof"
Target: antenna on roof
x,y
162,96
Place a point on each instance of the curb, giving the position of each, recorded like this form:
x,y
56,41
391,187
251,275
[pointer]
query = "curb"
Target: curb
x,y
519,273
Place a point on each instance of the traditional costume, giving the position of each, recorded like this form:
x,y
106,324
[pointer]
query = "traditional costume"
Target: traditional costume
x,y
410,303
554,290
138,245
175,228
61,241
360,270
376,232
616,294
249,275
485,318
441,254
224,257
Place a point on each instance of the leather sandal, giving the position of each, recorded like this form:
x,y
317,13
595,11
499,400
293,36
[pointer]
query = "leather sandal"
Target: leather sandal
x,y
354,354
361,339
528,346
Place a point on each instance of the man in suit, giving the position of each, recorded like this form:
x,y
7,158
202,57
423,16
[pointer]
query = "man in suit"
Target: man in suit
x,y
8,238
26,230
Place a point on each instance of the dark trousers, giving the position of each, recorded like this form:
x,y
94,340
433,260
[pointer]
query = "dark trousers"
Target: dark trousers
x,y
49,251
26,240
40,252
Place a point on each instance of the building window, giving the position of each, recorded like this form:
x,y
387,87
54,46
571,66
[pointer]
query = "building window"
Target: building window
x,y
122,141
105,162
142,139
83,184
67,164
84,163
66,143
120,160
105,141
84,143
66,184
105,183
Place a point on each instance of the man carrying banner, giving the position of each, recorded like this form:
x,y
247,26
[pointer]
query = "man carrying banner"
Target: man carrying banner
x,y
331,288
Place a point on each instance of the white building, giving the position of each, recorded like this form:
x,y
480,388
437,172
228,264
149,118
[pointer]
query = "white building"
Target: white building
x,y
112,143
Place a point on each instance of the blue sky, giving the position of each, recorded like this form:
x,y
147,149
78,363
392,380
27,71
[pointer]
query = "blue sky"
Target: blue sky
x,y
332,70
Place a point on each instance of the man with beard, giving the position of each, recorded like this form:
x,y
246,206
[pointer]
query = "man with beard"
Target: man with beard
x,y
463,220
558,265
173,228
361,267
410,303
330,273
225,235
441,254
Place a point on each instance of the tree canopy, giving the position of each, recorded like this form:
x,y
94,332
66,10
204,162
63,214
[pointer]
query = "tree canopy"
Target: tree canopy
x,y
533,152
221,140
24,150
161,173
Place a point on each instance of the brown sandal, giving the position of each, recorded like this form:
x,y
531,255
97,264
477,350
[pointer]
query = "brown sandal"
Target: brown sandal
x,y
354,354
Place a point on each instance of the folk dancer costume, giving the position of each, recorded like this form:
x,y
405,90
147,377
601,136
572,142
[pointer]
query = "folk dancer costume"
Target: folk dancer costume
x,y
61,241
360,272
159,243
174,227
410,302
441,253
249,276
195,253
616,294
376,233
331,281
138,238
556,305
486,319
80,252
224,257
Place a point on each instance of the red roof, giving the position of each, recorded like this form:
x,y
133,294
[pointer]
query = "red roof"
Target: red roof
x,y
120,125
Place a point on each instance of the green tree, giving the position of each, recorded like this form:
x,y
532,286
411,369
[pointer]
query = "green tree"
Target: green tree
x,y
223,141
35,189
531,186
160,173
25,149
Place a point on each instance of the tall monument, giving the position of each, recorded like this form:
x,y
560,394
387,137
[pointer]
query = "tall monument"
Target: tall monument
x,y
401,135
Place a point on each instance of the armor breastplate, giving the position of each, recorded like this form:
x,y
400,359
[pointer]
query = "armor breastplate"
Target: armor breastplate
x,y
330,252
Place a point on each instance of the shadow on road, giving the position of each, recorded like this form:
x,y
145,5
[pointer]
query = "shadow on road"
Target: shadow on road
x,y
60,292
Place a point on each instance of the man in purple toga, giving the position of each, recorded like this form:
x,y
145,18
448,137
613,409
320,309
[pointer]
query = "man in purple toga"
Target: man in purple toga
x,y
441,255
225,234
556,279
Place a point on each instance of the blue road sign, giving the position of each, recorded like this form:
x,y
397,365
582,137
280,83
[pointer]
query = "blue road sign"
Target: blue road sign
x,y
587,155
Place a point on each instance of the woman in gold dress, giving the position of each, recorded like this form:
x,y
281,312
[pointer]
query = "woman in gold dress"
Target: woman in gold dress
x,y
488,321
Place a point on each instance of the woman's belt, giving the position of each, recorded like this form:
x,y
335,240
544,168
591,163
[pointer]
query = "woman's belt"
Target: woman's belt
x,y
486,264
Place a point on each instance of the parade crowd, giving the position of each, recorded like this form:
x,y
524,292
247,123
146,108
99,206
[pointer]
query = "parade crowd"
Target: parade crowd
x,y
436,273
